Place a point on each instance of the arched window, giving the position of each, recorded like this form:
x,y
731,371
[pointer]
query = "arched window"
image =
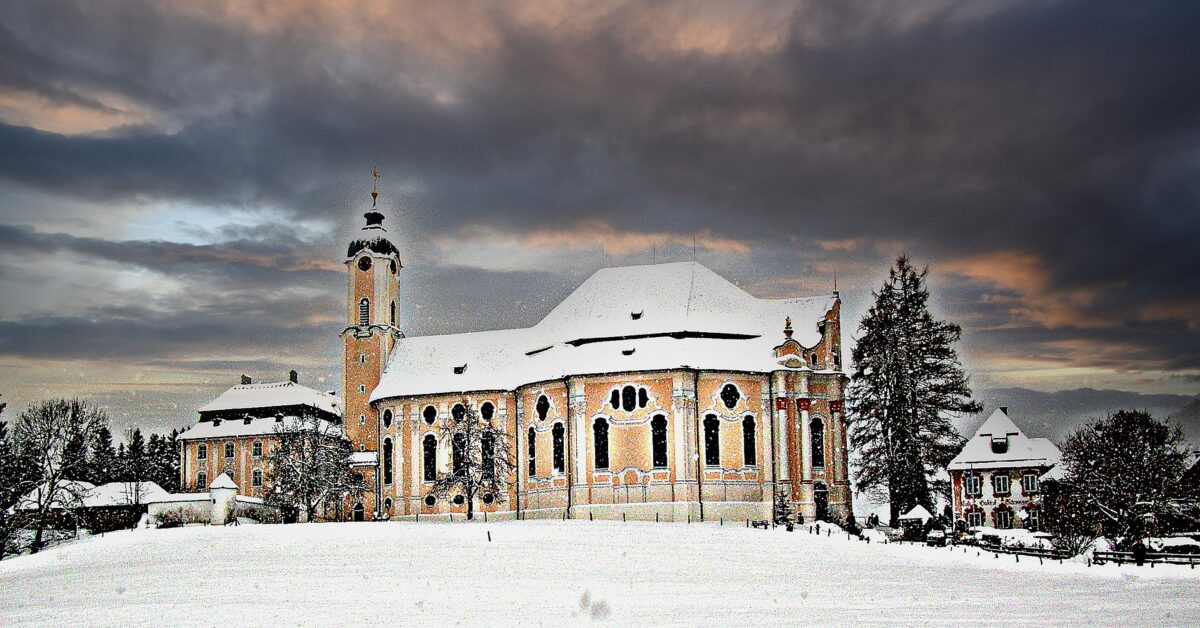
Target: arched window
x,y
600,443
430,414
615,400
532,452
387,505
202,452
542,407
228,450
730,395
643,397
487,446
560,459
628,398
256,477
816,429
458,454
202,480
364,311
387,461
487,411
393,313
387,418
712,441
430,447
658,441
458,412
749,445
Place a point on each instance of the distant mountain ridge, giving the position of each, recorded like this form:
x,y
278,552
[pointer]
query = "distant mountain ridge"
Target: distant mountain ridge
x,y
1053,415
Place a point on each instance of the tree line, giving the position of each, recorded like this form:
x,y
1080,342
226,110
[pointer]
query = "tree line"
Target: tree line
x,y
55,444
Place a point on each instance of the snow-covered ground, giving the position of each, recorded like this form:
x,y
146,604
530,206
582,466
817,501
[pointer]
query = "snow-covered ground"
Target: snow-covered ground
x,y
564,572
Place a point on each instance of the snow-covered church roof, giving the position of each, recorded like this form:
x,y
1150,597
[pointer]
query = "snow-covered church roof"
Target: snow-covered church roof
x,y
633,318
1000,444
273,395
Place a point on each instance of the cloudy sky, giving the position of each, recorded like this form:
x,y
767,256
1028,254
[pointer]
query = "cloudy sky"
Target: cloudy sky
x,y
178,179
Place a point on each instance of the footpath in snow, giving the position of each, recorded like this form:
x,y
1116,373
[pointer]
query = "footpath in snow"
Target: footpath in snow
x,y
572,572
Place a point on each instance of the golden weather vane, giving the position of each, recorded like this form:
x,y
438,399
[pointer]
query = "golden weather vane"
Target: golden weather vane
x,y
374,188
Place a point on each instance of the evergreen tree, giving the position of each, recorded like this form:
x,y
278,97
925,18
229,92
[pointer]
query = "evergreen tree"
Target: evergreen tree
x,y
1125,473
907,384
102,464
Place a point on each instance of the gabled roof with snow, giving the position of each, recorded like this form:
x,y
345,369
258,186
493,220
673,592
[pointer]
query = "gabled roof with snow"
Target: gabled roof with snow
x,y
918,512
634,318
262,426
1021,451
273,395
124,494
70,494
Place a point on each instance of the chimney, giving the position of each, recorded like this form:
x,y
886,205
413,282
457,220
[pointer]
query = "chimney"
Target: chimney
x,y
1004,409
293,376
246,380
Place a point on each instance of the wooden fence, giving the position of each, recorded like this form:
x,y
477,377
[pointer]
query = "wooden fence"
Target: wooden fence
x,y
1121,558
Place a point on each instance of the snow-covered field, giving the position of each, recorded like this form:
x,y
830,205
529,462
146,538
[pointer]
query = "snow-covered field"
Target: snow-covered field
x,y
564,572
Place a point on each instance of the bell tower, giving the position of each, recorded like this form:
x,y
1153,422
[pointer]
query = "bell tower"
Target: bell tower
x,y
372,311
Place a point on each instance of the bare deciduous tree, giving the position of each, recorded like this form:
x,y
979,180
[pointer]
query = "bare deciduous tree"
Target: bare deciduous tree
x,y
310,467
481,460
43,434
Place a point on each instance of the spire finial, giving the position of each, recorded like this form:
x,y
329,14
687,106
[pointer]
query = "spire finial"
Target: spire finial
x,y
835,290
374,189
787,326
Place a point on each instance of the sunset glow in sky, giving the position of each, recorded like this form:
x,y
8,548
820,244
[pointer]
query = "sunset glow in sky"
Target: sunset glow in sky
x,y
178,179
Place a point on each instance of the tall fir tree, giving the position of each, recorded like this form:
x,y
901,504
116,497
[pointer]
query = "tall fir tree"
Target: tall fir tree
x,y
907,384
102,465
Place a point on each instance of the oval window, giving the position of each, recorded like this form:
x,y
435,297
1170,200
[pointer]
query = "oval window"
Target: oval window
x,y
364,263
730,396
430,414
430,500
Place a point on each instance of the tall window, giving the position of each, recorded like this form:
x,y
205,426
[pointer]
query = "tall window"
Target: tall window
x,y
749,445
615,400
1000,483
532,452
1029,482
600,443
628,398
228,450
202,452
487,445
560,461
393,313
816,430
643,397
730,395
658,441
256,477
387,461
1033,519
973,484
542,407
256,449
458,454
430,458
202,480
712,441
387,418
364,311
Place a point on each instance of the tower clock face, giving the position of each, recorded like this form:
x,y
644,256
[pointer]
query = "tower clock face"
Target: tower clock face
x,y
364,263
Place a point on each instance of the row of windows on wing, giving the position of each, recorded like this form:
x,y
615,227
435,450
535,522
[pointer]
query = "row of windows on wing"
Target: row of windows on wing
x,y
256,450
973,483
364,311
256,479
1002,518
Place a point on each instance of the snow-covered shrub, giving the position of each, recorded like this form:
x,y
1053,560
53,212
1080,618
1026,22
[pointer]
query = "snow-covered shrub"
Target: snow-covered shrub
x,y
257,512
181,516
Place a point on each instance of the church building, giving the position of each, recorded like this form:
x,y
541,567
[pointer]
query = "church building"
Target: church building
x,y
660,391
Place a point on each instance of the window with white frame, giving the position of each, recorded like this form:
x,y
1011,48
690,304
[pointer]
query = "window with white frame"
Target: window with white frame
x,y
974,519
228,450
202,452
973,484
1000,483
1002,518
202,480
256,477
256,449
1029,482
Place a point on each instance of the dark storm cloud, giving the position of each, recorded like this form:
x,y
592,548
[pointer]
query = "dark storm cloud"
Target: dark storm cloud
x,y
1064,131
